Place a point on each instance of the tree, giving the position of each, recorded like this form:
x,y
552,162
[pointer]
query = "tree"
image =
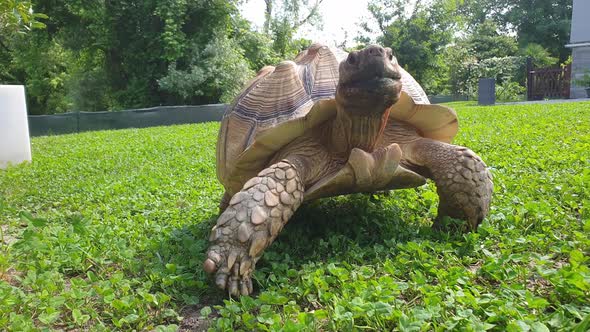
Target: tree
x,y
417,34
543,22
125,54
18,16
441,41
486,42
283,19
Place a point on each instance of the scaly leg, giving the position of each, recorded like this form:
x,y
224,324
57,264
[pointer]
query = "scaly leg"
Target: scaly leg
x,y
249,224
463,182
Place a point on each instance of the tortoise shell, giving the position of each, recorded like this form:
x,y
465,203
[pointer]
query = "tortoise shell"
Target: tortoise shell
x,y
283,102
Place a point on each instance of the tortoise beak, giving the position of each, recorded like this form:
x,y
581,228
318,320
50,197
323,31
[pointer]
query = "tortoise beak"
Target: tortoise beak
x,y
369,80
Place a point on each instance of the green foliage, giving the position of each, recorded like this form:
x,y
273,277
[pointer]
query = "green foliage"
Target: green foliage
x,y
540,55
486,42
282,33
438,41
97,56
17,16
455,61
284,18
509,73
415,39
257,47
487,53
543,22
116,242
510,91
45,73
87,85
219,71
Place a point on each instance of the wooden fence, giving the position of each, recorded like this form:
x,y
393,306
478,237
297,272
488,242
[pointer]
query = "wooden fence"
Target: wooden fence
x,y
548,82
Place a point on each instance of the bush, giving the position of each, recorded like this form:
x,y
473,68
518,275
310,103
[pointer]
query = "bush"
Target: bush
x,y
505,71
218,72
41,65
541,57
510,91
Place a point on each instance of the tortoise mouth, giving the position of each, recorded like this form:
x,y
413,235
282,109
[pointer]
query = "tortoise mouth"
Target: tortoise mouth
x,y
368,82
372,96
375,86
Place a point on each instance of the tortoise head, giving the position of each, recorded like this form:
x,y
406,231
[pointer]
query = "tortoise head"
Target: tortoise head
x,y
369,84
369,81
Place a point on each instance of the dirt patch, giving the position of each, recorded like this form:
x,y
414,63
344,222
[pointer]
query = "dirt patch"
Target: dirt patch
x,y
7,238
474,268
11,276
193,321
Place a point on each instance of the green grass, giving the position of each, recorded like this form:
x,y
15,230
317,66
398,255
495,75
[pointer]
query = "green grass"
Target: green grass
x,y
107,231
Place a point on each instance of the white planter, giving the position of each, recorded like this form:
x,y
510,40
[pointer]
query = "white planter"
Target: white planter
x,y
15,145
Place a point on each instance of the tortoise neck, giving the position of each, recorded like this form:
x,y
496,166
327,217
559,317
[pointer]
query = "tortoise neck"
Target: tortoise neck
x,y
353,130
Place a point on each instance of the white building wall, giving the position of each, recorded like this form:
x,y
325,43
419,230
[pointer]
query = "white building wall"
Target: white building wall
x,y
580,64
580,22
580,45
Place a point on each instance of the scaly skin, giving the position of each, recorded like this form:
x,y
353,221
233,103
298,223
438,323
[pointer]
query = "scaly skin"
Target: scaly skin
x,y
250,223
464,184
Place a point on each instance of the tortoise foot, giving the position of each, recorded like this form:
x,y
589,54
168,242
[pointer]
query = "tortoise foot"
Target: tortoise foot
x,y
250,223
463,182
464,185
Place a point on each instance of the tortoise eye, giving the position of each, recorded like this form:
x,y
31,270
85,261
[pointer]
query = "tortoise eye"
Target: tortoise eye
x,y
389,53
352,58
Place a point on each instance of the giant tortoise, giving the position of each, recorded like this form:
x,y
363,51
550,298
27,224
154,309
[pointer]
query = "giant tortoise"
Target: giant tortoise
x,y
331,123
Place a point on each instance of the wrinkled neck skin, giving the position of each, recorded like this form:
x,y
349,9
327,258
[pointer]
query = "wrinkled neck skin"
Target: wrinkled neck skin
x,y
357,128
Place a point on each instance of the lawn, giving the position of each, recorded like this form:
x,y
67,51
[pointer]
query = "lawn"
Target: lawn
x,y
107,231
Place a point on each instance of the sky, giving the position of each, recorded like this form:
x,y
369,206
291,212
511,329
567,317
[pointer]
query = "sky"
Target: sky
x,y
339,19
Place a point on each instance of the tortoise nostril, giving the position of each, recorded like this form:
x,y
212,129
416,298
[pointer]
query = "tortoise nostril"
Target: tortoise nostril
x,y
376,51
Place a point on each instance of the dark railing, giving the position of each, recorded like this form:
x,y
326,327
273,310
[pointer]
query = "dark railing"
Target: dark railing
x,y
76,122
548,82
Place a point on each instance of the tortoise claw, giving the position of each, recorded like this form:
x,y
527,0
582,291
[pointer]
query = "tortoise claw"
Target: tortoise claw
x,y
221,280
209,266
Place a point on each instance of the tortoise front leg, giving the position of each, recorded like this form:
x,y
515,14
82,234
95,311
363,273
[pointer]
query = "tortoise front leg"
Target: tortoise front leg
x,y
464,184
249,224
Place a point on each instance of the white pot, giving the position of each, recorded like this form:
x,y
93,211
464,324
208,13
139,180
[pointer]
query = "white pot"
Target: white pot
x,y
15,145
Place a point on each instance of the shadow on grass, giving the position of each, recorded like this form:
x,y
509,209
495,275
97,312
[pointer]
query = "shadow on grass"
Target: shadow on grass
x,y
350,227
355,229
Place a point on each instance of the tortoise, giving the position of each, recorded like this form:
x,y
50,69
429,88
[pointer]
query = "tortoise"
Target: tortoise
x,y
331,123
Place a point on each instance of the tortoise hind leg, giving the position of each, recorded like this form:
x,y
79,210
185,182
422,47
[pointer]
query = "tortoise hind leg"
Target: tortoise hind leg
x,y
250,223
463,182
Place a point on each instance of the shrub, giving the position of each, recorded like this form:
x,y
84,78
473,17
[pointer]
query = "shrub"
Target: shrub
x,y
510,91
218,72
506,71
541,57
